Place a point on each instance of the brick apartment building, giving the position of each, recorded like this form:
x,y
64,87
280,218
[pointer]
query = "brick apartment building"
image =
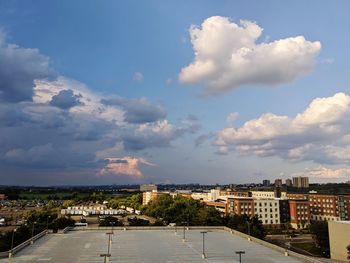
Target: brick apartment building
x,y
299,213
329,207
271,211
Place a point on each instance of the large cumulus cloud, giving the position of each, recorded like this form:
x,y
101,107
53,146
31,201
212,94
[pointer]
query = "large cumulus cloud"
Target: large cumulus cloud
x,y
60,123
320,134
228,55
19,67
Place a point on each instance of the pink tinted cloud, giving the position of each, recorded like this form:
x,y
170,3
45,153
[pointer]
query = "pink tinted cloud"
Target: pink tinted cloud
x,y
125,166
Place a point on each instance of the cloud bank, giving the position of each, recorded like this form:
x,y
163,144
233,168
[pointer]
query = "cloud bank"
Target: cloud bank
x,y
320,134
228,55
48,121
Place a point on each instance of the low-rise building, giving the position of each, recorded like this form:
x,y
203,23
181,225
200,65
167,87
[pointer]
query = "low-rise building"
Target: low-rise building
x,y
220,206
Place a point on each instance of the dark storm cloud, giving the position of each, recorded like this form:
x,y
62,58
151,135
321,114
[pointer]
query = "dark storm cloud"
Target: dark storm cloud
x,y
138,111
19,67
65,99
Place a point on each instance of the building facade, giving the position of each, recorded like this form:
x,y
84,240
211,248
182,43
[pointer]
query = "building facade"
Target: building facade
x,y
268,211
289,182
299,213
329,207
148,187
278,183
301,182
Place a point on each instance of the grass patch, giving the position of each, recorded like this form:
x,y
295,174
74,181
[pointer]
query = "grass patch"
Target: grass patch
x,y
309,247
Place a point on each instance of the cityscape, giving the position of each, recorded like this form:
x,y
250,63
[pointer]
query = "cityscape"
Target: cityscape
x,y
174,131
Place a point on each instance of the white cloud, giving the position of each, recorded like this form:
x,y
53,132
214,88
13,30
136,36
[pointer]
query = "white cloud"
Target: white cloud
x,y
138,76
90,101
227,56
231,118
125,166
321,133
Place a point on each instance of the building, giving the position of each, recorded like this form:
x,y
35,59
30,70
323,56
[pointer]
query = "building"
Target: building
x,y
213,195
2,197
339,239
278,183
289,182
284,211
241,206
293,196
266,183
267,194
268,211
299,210
148,187
301,182
149,196
220,206
329,207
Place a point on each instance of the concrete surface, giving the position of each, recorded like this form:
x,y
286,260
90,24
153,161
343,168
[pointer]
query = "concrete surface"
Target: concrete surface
x,y
146,246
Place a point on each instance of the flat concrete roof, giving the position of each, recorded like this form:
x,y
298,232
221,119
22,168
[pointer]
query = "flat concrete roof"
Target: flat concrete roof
x,y
146,246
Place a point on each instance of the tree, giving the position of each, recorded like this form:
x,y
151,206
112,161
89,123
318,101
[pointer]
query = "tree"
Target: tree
x,y
245,224
61,223
180,209
319,230
110,221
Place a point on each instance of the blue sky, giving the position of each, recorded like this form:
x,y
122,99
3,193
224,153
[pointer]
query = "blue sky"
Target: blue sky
x,y
120,92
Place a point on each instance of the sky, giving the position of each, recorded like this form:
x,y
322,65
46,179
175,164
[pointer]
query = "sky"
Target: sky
x,y
131,92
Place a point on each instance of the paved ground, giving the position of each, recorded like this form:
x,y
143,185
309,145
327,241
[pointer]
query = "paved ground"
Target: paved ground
x,y
146,246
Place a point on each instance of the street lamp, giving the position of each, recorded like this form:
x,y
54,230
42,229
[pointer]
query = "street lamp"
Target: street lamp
x,y
203,247
33,224
13,237
184,232
47,222
106,257
112,224
248,230
240,255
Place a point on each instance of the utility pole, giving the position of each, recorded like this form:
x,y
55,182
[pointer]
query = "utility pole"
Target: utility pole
x,y
203,247
240,255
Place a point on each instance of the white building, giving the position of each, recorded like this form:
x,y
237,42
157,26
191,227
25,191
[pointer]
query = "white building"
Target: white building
x,y
268,211
213,195
267,194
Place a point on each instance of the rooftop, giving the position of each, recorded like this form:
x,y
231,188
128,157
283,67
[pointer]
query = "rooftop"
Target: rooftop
x,y
148,246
